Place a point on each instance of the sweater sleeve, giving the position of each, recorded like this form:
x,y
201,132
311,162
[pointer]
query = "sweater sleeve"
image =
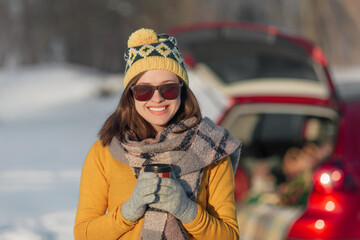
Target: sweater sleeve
x,y
218,220
92,221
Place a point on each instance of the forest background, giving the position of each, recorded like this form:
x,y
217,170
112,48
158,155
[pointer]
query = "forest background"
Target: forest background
x,y
94,33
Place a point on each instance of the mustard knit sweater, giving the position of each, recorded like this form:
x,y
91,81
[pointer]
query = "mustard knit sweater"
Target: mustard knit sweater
x,y
107,183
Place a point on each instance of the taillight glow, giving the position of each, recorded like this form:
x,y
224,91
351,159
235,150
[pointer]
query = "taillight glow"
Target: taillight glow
x,y
328,179
336,175
320,224
330,206
325,179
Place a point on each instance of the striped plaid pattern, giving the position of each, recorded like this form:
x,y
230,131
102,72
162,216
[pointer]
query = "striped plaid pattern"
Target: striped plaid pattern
x,y
189,152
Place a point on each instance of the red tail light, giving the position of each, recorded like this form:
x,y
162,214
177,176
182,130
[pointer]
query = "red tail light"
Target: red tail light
x,y
329,178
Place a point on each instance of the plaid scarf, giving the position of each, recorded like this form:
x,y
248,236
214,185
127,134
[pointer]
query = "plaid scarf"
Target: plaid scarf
x,y
189,153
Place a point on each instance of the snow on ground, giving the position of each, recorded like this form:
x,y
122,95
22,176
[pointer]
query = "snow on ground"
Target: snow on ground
x,y
347,81
49,117
33,90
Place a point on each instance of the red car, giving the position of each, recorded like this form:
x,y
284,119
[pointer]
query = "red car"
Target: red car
x,y
299,173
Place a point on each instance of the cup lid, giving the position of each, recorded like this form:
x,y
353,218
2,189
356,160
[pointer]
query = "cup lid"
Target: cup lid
x,y
158,168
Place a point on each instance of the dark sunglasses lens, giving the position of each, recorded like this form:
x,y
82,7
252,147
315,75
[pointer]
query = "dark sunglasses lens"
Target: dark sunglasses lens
x,y
143,92
170,91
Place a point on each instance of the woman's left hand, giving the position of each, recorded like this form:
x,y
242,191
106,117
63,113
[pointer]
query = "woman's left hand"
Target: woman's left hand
x,y
173,199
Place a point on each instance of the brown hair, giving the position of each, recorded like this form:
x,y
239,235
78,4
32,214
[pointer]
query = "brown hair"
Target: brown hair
x,y
126,120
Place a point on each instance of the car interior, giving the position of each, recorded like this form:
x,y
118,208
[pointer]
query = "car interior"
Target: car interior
x,y
280,143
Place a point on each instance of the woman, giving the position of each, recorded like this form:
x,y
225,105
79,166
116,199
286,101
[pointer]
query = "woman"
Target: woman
x,y
158,120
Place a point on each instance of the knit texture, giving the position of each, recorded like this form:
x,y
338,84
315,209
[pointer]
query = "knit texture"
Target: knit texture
x,y
173,199
143,194
189,152
149,51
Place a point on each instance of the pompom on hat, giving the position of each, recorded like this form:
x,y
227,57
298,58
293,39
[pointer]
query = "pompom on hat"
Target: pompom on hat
x,y
150,51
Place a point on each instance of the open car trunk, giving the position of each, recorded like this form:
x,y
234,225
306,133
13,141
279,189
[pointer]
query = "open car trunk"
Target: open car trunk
x,y
279,141
245,60
282,146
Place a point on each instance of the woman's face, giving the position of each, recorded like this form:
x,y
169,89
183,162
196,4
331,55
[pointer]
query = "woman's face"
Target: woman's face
x,y
158,111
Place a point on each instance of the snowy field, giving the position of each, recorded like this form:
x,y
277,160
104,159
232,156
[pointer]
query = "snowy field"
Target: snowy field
x,y
49,117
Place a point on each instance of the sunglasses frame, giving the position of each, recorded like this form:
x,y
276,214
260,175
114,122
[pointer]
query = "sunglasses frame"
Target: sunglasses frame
x,y
154,88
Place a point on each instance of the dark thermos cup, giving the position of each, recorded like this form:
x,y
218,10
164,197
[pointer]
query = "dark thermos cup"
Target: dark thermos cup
x,y
162,170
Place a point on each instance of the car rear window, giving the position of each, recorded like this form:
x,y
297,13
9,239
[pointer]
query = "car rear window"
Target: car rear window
x,y
233,62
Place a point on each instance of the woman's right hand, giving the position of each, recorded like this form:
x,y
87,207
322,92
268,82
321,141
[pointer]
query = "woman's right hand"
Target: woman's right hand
x,y
143,194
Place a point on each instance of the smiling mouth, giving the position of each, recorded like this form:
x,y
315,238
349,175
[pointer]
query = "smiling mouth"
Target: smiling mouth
x,y
157,109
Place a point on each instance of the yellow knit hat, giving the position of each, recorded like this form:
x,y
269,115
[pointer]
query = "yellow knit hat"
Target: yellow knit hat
x,y
150,51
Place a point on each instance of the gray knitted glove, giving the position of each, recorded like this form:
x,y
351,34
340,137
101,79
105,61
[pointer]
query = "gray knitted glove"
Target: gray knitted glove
x,y
143,194
173,199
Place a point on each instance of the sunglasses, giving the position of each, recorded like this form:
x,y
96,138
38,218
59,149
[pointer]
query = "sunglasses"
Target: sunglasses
x,y
167,91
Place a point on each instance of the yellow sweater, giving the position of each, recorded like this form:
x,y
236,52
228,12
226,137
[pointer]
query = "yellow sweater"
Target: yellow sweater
x,y
107,183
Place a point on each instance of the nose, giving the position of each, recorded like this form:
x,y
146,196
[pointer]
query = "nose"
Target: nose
x,y
157,97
